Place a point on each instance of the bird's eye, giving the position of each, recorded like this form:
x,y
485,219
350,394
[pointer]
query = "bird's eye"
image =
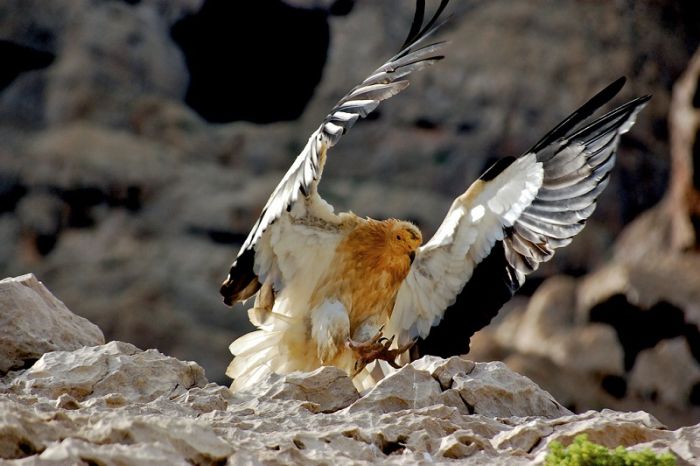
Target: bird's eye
x,y
398,237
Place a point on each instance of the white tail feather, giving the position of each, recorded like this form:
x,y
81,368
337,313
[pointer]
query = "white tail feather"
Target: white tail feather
x,y
254,340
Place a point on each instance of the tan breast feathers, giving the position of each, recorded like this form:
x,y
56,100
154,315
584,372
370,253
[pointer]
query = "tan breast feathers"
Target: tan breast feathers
x,y
370,264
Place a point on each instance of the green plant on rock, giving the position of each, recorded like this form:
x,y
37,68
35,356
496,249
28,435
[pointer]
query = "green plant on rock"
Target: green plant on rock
x,y
585,453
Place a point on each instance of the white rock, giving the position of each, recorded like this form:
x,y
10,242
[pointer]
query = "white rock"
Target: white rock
x,y
327,387
464,443
609,428
402,421
33,322
407,388
444,370
116,367
114,404
73,450
491,389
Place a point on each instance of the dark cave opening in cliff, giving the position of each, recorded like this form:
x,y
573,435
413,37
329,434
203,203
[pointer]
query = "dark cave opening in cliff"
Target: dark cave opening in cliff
x,y
254,61
18,59
11,191
639,329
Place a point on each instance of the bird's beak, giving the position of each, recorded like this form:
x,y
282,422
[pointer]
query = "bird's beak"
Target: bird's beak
x,y
412,256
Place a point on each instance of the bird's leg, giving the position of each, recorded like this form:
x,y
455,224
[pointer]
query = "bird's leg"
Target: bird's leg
x,y
377,347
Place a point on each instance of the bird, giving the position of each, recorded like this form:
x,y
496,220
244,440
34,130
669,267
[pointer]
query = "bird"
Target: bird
x,y
367,295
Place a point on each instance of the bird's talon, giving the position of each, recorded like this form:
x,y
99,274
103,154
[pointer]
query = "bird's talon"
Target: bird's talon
x,y
393,364
377,347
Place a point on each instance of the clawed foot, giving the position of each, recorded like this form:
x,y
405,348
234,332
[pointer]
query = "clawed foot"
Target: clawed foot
x,y
377,347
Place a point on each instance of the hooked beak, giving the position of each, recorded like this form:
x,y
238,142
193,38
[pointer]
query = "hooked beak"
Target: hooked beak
x,y
412,256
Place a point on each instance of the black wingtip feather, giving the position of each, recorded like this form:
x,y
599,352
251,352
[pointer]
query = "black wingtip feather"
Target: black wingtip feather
x,y
495,169
416,24
417,29
241,279
613,118
583,112
436,15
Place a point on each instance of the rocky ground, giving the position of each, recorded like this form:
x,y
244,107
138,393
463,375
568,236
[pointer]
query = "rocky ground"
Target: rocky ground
x,y
68,398
127,191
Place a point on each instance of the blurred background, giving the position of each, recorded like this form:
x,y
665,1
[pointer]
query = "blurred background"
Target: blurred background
x,y
141,138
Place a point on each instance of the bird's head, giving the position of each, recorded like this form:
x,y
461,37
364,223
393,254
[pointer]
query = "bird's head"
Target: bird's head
x,y
405,238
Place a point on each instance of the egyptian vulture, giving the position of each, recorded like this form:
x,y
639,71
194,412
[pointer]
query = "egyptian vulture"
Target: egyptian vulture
x,y
336,289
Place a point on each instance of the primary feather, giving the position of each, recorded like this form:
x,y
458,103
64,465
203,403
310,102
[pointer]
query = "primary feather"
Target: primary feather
x,y
325,284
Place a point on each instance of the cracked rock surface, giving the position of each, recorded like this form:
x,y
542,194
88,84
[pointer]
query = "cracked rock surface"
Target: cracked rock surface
x,y
113,404
166,413
50,326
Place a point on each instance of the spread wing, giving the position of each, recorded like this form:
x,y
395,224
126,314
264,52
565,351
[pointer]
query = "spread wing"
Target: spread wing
x,y
508,222
297,194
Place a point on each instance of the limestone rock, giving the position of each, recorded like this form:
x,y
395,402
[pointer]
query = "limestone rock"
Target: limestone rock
x,y
406,388
444,370
102,55
671,225
283,424
33,322
327,389
117,404
78,451
98,51
116,367
625,336
494,390
109,161
550,327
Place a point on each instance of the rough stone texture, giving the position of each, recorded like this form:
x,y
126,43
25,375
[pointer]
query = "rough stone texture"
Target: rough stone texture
x,y
33,322
493,390
95,371
102,51
110,183
551,317
327,389
130,419
116,404
673,278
